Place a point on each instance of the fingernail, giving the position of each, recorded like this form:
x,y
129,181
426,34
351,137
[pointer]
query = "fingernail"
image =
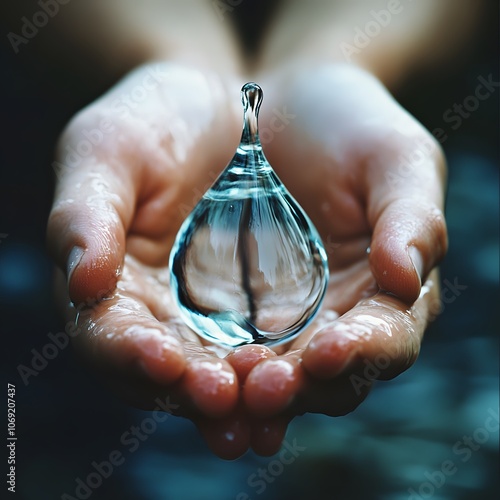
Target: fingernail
x,y
418,262
74,258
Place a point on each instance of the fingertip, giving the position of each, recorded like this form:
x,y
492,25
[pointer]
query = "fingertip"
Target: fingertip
x,y
328,354
92,280
212,385
267,435
393,269
272,385
163,362
90,252
228,438
409,240
244,358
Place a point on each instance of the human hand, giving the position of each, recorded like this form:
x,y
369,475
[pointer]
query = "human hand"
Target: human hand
x,y
146,150
370,177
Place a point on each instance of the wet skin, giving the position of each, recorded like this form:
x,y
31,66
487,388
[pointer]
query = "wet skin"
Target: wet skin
x,y
339,156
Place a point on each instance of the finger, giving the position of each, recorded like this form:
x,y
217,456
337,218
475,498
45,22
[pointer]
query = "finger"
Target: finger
x,y
267,434
409,239
86,230
244,358
272,385
405,210
121,339
228,437
381,336
211,384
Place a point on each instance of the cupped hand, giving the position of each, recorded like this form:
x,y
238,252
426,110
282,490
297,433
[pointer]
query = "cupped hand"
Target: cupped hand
x,y
133,164
372,180
130,168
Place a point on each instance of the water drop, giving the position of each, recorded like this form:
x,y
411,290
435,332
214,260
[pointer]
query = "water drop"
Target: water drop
x,y
247,265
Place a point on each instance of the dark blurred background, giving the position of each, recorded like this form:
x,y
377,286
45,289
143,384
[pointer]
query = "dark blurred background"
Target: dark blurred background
x,y
390,448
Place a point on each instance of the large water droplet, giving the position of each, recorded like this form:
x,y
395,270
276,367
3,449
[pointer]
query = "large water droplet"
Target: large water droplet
x,y
248,266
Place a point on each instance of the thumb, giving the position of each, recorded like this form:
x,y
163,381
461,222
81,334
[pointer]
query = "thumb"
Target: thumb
x,y
87,227
409,240
409,230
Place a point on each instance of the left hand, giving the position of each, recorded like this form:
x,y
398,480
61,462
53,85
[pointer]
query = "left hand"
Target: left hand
x,y
370,177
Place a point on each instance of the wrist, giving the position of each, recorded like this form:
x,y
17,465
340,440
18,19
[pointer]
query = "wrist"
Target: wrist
x,y
328,49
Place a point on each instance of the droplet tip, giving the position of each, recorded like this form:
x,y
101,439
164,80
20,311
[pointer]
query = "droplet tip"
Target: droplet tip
x,y
252,94
251,87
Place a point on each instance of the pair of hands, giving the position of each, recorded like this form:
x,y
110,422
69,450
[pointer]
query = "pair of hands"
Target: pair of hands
x,y
133,163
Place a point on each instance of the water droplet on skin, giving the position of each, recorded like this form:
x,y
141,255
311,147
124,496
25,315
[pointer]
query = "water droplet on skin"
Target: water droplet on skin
x,y
247,265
